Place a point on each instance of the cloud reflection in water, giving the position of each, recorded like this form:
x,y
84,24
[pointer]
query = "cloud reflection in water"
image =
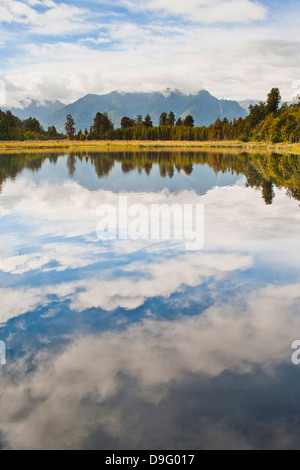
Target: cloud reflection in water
x,y
216,373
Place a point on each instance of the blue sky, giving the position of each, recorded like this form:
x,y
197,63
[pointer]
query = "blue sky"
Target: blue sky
x,y
64,49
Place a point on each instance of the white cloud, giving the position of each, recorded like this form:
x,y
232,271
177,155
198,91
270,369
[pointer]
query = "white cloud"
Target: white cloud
x,y
56,19
39,205
122,292
64,255
226,61
16,302
21,300
251,331
205,11
39,209
157,280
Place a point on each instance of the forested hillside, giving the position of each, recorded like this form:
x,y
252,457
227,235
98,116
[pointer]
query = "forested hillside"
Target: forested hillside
x,y
12,128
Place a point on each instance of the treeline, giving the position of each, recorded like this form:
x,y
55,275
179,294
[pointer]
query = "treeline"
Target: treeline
x,y
13,128
141,129
267,121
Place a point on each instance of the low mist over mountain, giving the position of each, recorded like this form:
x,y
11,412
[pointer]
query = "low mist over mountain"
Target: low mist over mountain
x,y
40,111
246,103
204,108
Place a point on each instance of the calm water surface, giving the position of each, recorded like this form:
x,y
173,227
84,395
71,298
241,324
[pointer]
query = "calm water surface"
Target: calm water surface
x,y
142,344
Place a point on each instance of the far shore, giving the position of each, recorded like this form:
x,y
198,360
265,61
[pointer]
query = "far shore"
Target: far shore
x,y
113,145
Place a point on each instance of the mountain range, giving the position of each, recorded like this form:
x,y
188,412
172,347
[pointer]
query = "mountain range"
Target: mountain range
x,y
204,108
36,109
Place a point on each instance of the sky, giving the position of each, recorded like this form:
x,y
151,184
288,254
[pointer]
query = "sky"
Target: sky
x,y
64,49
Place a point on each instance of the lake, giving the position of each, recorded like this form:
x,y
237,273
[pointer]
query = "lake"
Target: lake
x,y
115,343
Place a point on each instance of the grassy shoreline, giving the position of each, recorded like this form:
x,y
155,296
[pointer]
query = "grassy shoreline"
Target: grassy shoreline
x,y
25,146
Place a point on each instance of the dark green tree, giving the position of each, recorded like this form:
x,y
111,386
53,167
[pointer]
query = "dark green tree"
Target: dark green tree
x,y
32,124
189,121
97,126
139,120
257,113
102,127
216,130
273,101
108,126
179,122
127,122
70,127
52,132
147,121
171,119
163,119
